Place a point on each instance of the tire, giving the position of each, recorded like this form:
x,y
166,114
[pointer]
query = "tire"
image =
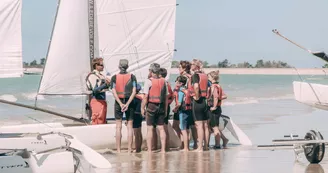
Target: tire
x,y
314,152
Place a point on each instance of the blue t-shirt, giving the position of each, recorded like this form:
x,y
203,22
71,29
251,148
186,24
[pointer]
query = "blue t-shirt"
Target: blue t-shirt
x,y
181,95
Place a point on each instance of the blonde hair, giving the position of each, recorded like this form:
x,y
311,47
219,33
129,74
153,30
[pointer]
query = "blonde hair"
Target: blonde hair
x,y
215,75
198,63
96,61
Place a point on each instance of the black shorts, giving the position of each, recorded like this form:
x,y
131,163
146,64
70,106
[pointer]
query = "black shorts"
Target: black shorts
x,y
155,114
214,116
137,120
166,119
176,116
129,114
199,109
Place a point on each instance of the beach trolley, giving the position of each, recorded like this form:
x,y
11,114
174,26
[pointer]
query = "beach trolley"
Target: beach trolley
x,y
313,145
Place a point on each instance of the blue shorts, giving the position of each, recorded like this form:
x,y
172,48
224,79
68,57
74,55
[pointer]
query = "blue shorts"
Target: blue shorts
x,y
184,119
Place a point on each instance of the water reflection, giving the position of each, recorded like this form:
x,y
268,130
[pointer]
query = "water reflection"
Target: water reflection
x,y
314,168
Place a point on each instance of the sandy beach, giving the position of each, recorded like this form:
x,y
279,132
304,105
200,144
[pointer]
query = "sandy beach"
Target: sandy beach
x,y
265,71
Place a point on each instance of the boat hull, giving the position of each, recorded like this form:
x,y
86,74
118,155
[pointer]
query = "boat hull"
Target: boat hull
x,y
311,94
40,163
95,136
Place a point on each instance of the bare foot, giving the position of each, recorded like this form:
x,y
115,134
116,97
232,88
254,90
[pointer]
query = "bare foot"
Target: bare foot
x,y
185,150
198,150
163,151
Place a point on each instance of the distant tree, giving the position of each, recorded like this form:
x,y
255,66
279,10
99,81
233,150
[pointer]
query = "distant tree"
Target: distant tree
x,y
25,64
244,65
33,63
213,66
205,64
224,64
42,61
325,66
175,64
259,63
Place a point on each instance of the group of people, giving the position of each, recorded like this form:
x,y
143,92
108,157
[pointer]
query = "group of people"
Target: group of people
x,y
196,99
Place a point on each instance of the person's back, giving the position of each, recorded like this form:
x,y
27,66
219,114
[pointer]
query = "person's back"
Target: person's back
x,y
155,90
124,91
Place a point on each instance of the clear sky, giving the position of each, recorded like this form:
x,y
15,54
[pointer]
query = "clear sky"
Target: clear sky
x,y
213,30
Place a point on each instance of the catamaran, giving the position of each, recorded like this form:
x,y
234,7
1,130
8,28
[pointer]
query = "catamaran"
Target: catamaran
x,y
311,94
141,32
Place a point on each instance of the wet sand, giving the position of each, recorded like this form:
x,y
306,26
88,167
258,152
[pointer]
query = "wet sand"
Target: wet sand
x,y
236,159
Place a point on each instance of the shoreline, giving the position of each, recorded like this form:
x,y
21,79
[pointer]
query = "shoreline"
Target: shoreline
x,y
264,71
242,71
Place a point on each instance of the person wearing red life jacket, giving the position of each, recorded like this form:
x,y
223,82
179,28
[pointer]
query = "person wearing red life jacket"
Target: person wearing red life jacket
x,y
215,98
98,84
124,91
184,109
154,106
184,70
137,121
163,74
199,82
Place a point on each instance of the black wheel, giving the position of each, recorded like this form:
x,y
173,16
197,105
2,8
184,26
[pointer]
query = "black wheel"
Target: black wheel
x,y
314,152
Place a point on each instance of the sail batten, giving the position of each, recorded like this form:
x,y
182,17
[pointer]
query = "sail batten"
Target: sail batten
x,y
11,39
68,60
142,32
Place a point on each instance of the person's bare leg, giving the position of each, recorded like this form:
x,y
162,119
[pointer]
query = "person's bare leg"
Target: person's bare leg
x,y
154,140
167,137
200,135
177,130
185,140
118,135
194,136
149,138
225,140
217,136
207,135
163,137
130,136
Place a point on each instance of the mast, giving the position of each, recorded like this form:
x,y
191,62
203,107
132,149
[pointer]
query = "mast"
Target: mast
x,y
92,48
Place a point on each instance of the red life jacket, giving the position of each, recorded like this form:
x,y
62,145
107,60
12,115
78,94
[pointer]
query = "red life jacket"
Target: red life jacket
x,y
124,85
175,95
211,97
171,96
186,104
203,80
156,93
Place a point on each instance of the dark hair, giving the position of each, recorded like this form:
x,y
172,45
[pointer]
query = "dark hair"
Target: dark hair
x,y
96,61
182,79
186,66
163,72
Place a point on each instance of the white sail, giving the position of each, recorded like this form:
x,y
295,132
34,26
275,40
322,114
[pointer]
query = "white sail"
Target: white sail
x,y
10,39
68,60
311,94
142,32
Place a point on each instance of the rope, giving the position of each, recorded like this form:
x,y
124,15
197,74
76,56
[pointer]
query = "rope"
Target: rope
x,y
309,85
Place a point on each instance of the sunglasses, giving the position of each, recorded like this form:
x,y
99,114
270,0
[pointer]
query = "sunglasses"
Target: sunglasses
x,y
100,64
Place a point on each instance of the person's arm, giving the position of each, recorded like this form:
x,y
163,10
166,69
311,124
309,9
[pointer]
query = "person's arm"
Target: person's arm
x,y
180,100
134,92
215,98
195,79
224,96
95,88
145,99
